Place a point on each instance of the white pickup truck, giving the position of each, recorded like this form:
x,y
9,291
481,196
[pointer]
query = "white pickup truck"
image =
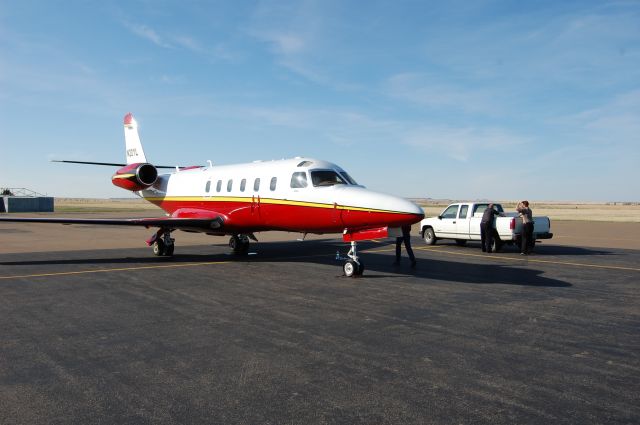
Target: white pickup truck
x,y
461,222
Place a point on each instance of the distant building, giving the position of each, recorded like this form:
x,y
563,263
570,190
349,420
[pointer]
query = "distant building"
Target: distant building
x,y
24,200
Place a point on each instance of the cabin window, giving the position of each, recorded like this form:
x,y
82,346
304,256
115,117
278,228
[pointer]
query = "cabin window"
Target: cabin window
x,y
463,211
304,164
243,184
326,178
219,186
450,212
207,187
274,181
256,185
348,178
299,180
229,185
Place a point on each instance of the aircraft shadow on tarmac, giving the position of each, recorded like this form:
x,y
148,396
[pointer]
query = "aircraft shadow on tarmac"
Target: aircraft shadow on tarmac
x,y
317,252
539,249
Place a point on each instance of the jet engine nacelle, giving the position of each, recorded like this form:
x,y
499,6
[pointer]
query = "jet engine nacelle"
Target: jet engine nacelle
x,y
135,177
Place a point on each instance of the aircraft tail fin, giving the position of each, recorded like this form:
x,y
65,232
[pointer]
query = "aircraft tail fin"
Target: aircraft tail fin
x,y
134,152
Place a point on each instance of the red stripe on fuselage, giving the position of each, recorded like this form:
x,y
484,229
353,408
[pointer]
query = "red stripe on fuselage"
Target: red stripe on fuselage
x,y
254,216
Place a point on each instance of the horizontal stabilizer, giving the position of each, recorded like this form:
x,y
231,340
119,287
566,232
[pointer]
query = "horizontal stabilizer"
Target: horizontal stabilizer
x,y
113,164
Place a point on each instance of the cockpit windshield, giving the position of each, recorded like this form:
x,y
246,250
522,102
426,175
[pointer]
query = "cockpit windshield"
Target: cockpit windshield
x,y
348,178
326,178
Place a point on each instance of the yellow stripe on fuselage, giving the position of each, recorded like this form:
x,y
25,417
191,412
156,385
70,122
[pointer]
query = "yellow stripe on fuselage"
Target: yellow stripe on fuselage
x,y
271,201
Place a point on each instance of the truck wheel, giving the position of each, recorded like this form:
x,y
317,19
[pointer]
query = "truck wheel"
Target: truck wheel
x,y
461,242
429,236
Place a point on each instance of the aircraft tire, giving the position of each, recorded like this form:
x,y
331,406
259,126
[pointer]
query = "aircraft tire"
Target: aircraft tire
x,y
158,248
350,267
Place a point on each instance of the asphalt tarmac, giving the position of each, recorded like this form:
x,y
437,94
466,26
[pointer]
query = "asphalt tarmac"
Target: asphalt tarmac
x,y
281,337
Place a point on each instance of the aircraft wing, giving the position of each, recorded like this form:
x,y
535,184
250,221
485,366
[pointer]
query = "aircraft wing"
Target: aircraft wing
x,y
197,224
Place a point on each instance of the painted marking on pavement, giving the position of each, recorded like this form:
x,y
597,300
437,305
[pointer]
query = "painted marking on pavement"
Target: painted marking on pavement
x,y
120,269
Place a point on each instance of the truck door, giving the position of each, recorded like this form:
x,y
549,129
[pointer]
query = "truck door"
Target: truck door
x,y
462,224
475,219
446,227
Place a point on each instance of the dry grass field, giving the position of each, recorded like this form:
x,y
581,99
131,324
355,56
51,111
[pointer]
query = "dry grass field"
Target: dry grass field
x,y
88,205
559,211
623,213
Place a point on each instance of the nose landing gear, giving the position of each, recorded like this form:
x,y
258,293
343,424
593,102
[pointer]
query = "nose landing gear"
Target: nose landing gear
x,y
352,267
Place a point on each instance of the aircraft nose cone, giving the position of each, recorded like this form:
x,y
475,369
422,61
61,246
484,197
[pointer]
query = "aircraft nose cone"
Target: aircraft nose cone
x,y
411,208
387,209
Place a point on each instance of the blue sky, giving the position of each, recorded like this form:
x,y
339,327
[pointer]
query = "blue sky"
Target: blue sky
x,y
483,99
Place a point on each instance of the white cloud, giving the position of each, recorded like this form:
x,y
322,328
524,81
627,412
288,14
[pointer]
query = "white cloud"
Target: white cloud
x,y
616,122
461,143
283,43
188,43
147,33
426,90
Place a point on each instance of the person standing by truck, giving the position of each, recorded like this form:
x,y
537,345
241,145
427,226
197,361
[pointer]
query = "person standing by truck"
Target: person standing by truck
x,y
486,228
527,227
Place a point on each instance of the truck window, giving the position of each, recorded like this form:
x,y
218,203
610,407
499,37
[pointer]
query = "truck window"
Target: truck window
x,y
479,208
450,212
463,211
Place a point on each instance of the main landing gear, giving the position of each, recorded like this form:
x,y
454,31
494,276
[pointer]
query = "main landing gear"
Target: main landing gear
x,y
162,243
239,244
352,267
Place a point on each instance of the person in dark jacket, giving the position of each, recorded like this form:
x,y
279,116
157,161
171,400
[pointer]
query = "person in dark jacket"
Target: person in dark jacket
x,y
486,227
527,227
406,238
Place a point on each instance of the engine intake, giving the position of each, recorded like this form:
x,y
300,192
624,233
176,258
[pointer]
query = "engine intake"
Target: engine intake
x,y
135,177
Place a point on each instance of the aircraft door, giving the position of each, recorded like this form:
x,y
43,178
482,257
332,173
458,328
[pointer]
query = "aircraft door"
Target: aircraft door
x,y
336,217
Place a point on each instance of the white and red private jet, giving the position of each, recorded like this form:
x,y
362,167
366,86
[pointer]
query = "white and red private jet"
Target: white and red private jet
x,y
296,195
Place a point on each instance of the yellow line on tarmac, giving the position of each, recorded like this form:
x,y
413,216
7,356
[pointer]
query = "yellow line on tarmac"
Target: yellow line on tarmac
x,y
528,259
121,269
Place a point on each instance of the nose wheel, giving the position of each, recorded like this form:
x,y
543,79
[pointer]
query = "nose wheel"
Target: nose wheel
x,y
352,267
